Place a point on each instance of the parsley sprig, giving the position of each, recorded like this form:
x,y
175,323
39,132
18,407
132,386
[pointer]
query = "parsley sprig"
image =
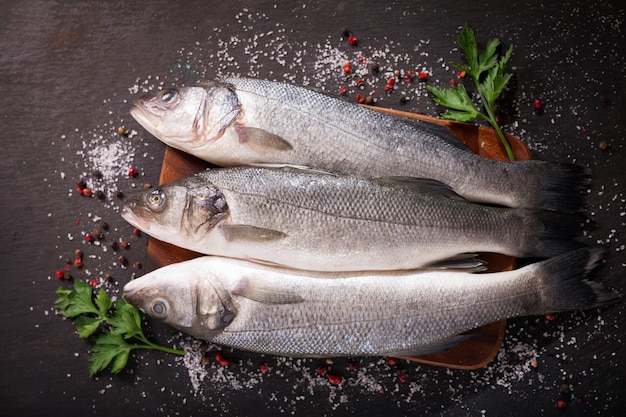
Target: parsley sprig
x,y
487,71
115,326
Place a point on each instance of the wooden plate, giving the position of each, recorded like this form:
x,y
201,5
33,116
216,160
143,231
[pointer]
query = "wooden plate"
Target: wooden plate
x,y
485,342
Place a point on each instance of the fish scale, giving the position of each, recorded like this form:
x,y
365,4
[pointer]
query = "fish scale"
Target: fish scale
x,y
321,221
281,311
242,121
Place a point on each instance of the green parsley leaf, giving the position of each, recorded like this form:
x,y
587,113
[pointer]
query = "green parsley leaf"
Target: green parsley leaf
x,y
458,100
115,326
109,349
103,302
87,325
486,69
126,320
74,303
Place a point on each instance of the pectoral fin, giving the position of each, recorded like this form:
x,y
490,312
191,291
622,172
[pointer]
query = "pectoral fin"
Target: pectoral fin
x,y
423,186
237,232
265,293
464,261
261,140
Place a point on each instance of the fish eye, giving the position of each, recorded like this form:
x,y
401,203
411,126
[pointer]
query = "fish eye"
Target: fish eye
x,y
156,200
159,308
168,97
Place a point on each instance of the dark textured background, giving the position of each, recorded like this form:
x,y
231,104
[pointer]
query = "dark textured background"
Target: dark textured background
x,y
67,77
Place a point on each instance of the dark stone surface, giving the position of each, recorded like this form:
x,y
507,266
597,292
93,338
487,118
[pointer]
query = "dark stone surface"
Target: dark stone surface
x,y
68,73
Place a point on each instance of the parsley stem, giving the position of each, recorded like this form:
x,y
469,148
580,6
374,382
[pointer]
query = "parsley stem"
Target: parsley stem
x,y
492,120
147,344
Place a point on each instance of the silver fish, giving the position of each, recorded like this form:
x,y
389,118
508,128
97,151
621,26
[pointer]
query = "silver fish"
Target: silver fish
x,y
294,313
240,121
320,221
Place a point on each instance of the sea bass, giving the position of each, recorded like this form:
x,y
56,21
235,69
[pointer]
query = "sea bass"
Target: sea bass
x,y
240,121
322,221
295,313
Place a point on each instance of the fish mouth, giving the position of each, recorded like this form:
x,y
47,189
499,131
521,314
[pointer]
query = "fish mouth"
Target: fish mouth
x,y
144,116
130,294
136,215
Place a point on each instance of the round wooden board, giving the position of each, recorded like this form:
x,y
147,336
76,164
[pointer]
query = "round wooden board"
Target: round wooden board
x,y
485,341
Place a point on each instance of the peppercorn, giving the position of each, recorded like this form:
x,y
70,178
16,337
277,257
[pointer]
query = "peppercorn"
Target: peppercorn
x,y
59,274
136,232
78,263
345,33
360,98
369,100
204,361
220,359
114,245
138,265
97,173
94,282
104,225
125,244
392,361
321,370
603,145
402,377
97,233
342,91
88,237
335,379
347,68
121,131
119,194
81,183
404,99
109,278
375,67
100,195
147,186
132,172
87,192
122,260
353,40
263,368
561,404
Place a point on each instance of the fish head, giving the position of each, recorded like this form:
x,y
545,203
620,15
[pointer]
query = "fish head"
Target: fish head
x,y
188,118
192,300
179,212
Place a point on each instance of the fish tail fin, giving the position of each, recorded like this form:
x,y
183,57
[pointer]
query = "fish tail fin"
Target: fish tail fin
x,y
558,186
565,283
555,233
